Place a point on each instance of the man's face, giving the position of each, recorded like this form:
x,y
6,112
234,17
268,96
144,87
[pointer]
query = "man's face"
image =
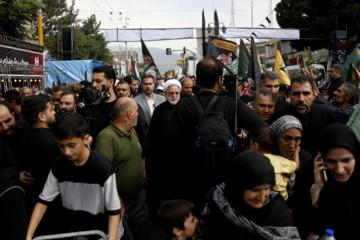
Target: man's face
x,y
264,107
271,85
72,148
98,80
173,94
26,92
302,97
7,121
148,85
339,95
67,102
122,89
34,89
49,114
333,74
134,86
289,141
56,98
187,89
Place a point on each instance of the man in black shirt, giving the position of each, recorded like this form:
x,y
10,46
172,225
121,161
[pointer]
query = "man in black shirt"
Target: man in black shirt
x,y
179,135
335,80
98,115
312,116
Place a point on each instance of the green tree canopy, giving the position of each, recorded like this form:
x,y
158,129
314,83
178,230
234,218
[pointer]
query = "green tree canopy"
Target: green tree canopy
x,y
317,19
16,15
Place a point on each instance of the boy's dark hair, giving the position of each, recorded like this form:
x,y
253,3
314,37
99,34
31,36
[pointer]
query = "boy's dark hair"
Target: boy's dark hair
x,y
109,72
173,213
265,137
32,106
12,95
69,124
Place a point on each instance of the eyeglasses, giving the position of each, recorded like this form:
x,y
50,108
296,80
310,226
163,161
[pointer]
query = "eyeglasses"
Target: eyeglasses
x,y
331,71
56,99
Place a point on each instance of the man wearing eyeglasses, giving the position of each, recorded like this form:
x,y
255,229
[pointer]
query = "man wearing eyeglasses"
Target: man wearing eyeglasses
x,y
56,93
335,79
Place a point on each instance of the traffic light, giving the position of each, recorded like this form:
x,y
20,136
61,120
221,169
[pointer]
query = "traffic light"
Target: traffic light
x,y
168,51
184,49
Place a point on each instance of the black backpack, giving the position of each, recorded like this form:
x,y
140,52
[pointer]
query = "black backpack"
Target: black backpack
x,y
213,140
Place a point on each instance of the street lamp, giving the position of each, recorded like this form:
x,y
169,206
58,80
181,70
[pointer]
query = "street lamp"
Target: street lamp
x,y
209,28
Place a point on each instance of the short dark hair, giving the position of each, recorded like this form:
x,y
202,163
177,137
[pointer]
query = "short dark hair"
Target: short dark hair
x,y
173,213
35,85
208,71
270,75
59,88
109,72
122,81
68,92
12,95
70,124
6,105
32,106
352,91
129,78
147,76
337,67
265,137
265,93
302,79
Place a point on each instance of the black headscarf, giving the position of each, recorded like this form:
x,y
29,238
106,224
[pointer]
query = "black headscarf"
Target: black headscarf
x,y
247,170
338,206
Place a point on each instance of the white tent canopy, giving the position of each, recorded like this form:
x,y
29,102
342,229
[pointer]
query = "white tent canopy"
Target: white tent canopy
x,y
134,35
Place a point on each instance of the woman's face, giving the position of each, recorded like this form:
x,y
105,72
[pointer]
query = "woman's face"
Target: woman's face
x,y
289,141
256,196
340,162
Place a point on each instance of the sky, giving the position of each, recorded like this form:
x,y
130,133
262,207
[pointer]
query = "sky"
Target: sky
x,y
173,14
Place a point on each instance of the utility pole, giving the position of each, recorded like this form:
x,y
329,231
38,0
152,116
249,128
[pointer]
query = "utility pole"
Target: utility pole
x,y
126,51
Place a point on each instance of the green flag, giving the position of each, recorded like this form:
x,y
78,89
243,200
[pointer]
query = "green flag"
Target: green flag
x,y
149,63
354,122
351,63
243,60
302,62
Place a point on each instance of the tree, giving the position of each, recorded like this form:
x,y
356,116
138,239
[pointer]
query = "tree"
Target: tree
x,y
16,15
91,42
317,19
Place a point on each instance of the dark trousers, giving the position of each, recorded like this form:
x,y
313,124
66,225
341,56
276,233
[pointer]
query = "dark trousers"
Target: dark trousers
x,y
137,215
13,220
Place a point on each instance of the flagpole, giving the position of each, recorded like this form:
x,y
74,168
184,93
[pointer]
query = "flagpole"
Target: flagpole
x,y
252,14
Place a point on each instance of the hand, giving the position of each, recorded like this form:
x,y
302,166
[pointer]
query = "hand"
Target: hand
x,y
26,179
241,135
319,166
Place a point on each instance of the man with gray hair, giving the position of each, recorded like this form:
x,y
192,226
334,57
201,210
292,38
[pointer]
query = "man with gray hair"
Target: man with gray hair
x,y
344,99
120,144
264,103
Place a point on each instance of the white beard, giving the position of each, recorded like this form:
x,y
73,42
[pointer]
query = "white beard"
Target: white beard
x,y
173,101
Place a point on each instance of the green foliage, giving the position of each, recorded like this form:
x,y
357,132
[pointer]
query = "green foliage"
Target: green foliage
x,y
90,42
16,14
318,19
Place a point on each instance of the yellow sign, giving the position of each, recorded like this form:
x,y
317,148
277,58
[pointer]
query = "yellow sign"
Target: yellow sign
x,y
224,45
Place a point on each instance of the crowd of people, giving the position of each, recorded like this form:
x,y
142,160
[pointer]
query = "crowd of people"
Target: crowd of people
x,y
117,154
